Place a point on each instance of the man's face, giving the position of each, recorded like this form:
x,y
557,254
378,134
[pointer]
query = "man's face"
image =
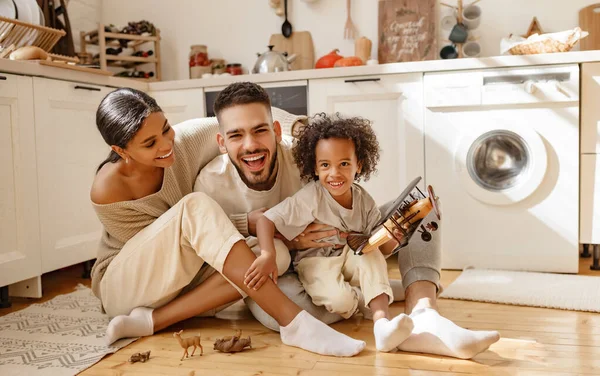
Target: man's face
x,y
250,137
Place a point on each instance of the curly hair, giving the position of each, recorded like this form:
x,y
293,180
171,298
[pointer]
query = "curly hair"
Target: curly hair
x,y
241,93
323,126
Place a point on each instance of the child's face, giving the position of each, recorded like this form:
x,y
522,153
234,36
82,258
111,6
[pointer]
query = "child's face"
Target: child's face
x,y
336,165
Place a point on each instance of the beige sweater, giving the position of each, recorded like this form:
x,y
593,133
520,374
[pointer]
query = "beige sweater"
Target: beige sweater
x,y
195,146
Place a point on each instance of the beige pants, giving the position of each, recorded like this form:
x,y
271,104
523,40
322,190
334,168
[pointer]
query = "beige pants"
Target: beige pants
x,y
330,280
167,256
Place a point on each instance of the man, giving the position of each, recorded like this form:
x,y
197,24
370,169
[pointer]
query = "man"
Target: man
x,y
256,171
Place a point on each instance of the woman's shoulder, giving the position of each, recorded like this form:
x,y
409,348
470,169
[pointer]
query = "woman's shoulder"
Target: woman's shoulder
x,y
109,186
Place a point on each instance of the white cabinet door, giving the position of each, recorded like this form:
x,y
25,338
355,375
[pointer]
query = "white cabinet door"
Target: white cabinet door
x,y
19,231
180,105
69,149
590,111
394,104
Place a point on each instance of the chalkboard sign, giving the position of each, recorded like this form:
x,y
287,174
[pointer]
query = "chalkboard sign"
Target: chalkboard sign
x,y
407,31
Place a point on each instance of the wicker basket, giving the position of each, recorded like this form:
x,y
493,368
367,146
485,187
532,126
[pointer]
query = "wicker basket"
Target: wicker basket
x,y
548,45
19,34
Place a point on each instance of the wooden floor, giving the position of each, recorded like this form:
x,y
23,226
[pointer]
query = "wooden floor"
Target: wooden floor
x,y
534,341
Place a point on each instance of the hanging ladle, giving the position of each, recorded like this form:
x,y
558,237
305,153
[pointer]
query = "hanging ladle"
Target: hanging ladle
x,y
286,28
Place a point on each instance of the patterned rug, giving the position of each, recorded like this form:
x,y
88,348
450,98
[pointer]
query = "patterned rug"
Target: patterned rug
x,y
62,336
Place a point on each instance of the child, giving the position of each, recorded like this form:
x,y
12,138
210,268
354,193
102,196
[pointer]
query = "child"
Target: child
x,y
332,153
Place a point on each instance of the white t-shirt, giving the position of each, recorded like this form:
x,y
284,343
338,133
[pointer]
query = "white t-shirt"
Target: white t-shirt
x,y
221,181
313,203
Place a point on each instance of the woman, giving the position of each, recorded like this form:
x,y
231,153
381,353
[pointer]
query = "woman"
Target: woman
x,y
162,244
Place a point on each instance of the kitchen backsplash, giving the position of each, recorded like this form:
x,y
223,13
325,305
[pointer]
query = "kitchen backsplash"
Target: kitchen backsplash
x,y
236,30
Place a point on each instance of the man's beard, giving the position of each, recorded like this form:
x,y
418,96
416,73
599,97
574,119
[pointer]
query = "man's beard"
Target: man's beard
x,y
255,182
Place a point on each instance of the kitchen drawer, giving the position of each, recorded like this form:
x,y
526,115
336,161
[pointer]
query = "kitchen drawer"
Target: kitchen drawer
x,y
589,224
590,108
8,85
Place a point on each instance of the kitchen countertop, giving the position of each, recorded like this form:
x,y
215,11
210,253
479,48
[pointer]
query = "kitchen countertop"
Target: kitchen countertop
x,y
34,69
28,68
394,68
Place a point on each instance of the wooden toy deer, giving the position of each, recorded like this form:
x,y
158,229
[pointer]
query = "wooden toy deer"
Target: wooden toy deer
x,y
185,343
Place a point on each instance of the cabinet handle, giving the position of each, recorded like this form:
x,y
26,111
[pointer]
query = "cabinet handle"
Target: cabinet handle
x,y
3,78
363,80
87,88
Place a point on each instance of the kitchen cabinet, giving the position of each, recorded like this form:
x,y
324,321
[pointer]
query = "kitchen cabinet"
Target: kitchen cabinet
x,y
19,226
589,222
181,105
394,104
69,148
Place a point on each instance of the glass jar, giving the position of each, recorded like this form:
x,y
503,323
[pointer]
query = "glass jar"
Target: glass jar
x,y
199,56
234,69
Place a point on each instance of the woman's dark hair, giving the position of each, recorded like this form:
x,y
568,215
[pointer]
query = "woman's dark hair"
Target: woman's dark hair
x,y
120,115
321,127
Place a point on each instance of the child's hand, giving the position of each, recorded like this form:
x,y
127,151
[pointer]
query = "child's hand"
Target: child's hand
x,y
260,270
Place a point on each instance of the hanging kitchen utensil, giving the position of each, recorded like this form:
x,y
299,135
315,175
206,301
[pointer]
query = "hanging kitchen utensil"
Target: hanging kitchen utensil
x,y
350,31
286,28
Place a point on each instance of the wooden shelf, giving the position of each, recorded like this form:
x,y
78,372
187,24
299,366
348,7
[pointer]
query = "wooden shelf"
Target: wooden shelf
x,y
104,39
132,37
136,59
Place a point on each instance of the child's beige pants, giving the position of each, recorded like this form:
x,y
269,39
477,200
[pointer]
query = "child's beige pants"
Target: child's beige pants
x,y
330,280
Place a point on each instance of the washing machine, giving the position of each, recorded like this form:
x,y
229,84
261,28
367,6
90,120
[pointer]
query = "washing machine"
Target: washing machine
x,y
502,151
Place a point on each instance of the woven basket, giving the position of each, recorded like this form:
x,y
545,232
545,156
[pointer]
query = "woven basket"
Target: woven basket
x,y
545,46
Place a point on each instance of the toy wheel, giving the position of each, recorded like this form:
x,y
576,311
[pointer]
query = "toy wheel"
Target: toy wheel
x,y
426,236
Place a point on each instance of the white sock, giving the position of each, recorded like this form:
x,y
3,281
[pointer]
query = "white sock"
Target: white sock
x,y
434,334
389,334
310,334
137,324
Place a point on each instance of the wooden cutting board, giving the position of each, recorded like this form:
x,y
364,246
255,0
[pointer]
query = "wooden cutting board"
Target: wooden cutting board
x,y
589,21
407,31
299,43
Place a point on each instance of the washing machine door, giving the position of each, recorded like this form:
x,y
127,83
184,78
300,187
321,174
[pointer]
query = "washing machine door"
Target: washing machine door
x,y
501,165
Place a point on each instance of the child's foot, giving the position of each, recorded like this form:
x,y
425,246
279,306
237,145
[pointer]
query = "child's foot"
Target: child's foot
x,y
389,334
137,324
434,334
310,334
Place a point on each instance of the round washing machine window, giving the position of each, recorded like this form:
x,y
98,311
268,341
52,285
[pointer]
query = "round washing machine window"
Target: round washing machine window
x,y
502,166
498,160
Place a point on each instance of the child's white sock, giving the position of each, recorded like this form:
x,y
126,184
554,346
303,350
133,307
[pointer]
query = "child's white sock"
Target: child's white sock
x,y
310,334
137,324
434,334
389,334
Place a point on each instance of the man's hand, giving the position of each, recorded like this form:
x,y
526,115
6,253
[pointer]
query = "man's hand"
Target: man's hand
x,y
263,267
253,217
308,238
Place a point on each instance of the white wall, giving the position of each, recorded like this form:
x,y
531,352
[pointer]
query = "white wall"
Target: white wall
x,y
237,29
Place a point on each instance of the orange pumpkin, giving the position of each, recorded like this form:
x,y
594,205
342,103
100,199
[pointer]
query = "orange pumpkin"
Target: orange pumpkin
x,y
328,60
351,61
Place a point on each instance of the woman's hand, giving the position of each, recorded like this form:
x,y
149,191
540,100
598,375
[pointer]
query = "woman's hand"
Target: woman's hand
x,y
264,266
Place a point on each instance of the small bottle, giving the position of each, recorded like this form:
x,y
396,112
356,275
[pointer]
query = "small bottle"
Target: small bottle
x,y
113,51
143,53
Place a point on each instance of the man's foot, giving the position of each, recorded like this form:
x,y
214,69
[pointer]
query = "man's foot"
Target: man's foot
x,y
434,334
310,334
389,334
137,324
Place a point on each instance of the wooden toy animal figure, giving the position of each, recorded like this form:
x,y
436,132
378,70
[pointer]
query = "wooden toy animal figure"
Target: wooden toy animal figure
x,y
185,343
232,344
140,357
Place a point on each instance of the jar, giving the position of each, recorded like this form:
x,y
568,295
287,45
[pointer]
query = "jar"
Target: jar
x,y
199,56
218,66
234,69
